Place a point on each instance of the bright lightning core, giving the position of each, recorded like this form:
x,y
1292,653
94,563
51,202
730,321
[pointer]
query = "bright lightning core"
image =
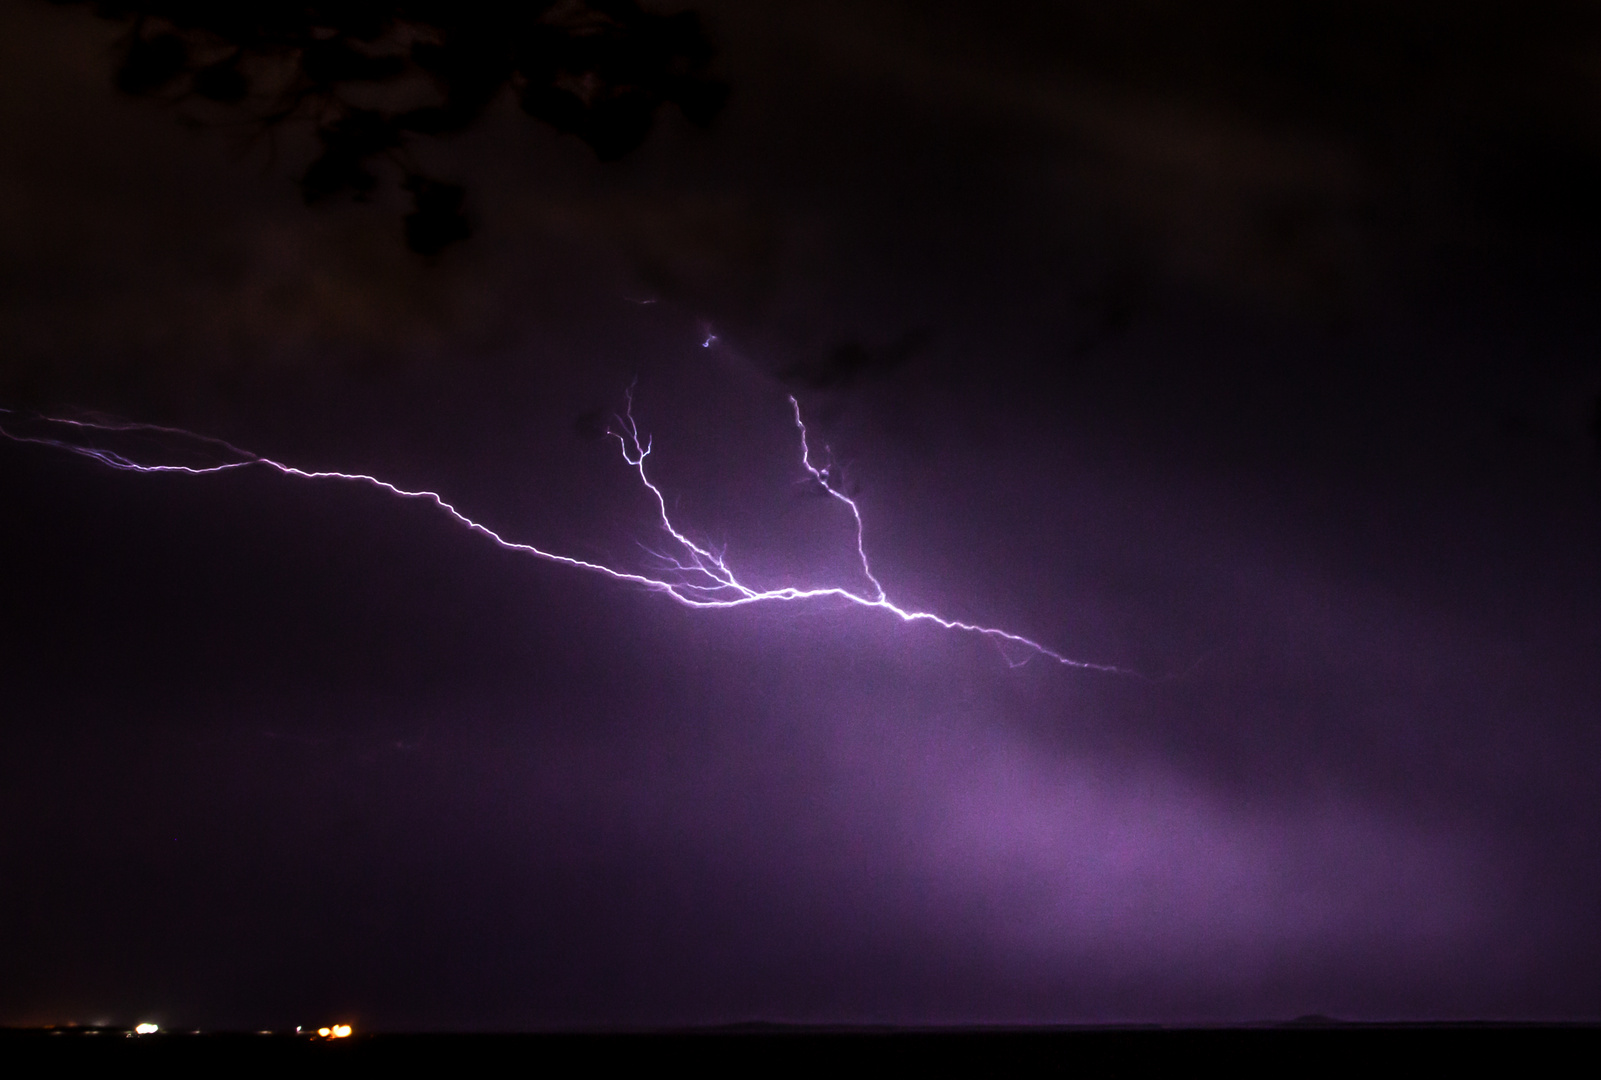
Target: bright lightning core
x,y
694,576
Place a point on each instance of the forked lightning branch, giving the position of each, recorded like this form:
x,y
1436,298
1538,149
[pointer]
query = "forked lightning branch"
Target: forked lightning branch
x,y
690,573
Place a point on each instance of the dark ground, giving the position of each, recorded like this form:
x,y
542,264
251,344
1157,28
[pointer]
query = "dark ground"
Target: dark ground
x,y
1308,1048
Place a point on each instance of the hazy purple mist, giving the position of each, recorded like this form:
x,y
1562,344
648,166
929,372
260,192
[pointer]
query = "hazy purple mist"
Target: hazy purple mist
x,y
1298,423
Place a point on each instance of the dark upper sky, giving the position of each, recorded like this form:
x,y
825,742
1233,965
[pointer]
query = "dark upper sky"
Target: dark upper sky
x,y
1248,346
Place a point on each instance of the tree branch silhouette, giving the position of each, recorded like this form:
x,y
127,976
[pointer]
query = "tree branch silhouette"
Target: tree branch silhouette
x,y
595,69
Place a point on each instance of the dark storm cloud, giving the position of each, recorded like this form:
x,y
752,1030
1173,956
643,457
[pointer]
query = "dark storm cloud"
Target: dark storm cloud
x,y
851,361
1304,156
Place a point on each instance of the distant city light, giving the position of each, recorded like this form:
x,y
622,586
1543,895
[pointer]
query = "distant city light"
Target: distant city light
x,y
338,1031
147,1029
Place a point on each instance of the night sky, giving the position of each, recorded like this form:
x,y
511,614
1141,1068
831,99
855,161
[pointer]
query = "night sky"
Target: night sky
x,y
1249,347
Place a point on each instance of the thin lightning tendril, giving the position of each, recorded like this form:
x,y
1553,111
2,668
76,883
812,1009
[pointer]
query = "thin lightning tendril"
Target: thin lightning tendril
x,y
696,577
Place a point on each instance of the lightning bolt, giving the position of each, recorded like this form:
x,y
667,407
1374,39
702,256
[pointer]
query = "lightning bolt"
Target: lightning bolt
x,y
691,574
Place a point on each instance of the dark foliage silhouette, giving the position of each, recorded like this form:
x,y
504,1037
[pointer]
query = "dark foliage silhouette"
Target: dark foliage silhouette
x,y
596,69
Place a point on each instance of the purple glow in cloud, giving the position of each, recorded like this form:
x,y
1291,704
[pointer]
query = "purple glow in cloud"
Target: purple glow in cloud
x,y
696,577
